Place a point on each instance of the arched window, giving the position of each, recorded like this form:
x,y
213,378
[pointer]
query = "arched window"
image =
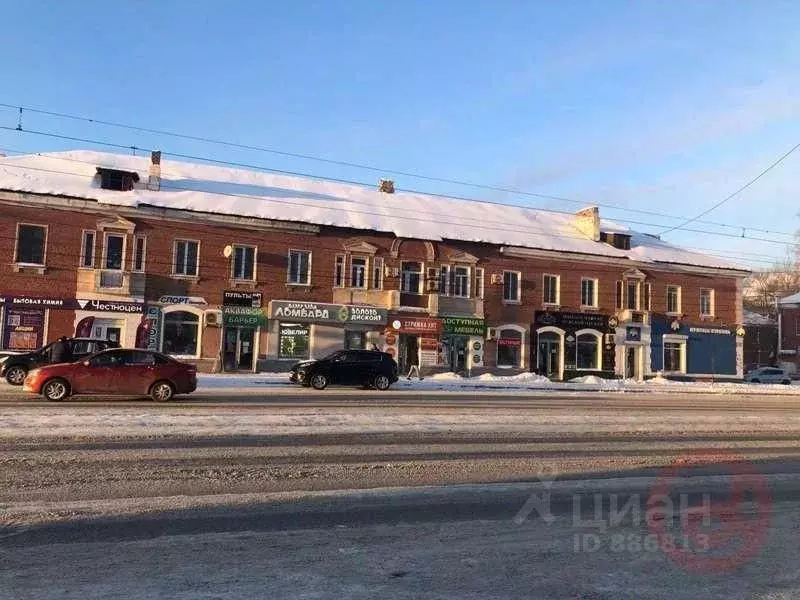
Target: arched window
x,y
588,350
509,348
181,333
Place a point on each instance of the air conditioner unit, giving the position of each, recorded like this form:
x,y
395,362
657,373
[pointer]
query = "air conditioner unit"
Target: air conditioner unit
x,y
491,333
433,273
610,338
497,278
432,285
213,318
391,271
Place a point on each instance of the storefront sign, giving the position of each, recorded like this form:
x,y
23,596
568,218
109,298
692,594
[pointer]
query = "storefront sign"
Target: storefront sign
x,y
509,342
317,312
110,306
429,344
182,300
464,326
710,330
153,316
574,321
24,329
416,325
43,302
633,334
236,298
293,341
242,316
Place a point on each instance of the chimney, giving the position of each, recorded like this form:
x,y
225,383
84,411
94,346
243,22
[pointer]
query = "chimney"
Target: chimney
x,y
386,186
587,221
154,176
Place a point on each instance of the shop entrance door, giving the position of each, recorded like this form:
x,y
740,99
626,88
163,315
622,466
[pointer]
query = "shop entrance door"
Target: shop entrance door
x,y
238,349
407,353
107,329
456,346
549,354
631,362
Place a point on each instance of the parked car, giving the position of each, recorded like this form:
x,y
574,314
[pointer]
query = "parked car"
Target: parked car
x,y
367,368
768,375
115,372
15,367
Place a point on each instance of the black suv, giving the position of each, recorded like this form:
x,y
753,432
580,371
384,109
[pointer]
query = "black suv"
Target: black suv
x,y
15,367
367,368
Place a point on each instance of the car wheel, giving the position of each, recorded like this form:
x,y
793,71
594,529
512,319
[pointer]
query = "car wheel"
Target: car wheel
x,y
162,391
16,375
755,381
319,381
55,390
787,382
382,383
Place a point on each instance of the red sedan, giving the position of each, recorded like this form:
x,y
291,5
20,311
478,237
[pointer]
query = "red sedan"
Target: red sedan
x,y
115,372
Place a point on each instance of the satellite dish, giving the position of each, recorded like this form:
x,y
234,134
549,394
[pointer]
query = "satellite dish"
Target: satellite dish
x,y
227,251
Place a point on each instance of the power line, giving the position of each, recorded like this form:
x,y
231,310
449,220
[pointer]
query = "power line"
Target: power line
x,y
373,168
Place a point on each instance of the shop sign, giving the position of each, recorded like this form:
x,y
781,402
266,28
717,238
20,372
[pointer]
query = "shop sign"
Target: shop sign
x,y
111,306
243,316
75,304
293,341
167,299
429,344
710,330
43,302
417,325
153,316
509,341
24,329
633,334
237,298
464,326
317,312
569,320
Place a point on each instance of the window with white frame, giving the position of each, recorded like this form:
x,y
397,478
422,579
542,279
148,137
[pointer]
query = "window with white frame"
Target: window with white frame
x,y
550,289
114,251
707,302
512,281
31,244
139,249
444,280
587,350
411,277
647,290
299,272
186,258
87,249
181,333
509,348
632,295
589,292
673,299
358,272
338,271
461,282
244,263
377,273
674,354
479,283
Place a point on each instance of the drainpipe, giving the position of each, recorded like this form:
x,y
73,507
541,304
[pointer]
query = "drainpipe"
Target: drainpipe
x,y
780,338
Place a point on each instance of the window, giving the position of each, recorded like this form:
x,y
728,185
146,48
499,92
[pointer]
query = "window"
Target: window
x,y
31,241
355,340
114,252
411,277
114,358
673,357
707,302
589,292
550,291
797,325
377,273
509,348
358,272
646,296
117,180
186,254
461,282
138,253
299,267
632,295
181,331
673,299
87,249
479,283
511,286
293,340
244,263
620,298
338,271
444,280
587,353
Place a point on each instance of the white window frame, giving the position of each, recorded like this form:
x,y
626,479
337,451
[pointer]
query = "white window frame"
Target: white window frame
x,y
480,277
44,250
136,240
599,358
175,259
84,232
711,302
104,257
420,287
255,263
366,272
673,339
523,354
376,281
339,268
200,327
545,301
289,275
647,296
677,300
595,292
444,280
518,299
467,278
638,297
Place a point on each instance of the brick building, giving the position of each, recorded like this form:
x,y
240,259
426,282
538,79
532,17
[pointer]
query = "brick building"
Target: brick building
x,y
241,271
789,333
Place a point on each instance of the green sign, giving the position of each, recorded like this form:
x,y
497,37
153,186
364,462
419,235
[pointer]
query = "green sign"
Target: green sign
x,y
243,316
464,325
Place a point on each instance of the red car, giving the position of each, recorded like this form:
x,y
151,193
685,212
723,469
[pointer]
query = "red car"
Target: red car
x,y
115,372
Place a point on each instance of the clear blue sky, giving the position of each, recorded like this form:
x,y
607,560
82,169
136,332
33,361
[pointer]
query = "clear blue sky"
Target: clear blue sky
x,y
666,107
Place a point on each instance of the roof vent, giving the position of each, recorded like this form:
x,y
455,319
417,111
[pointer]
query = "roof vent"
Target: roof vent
x,y
154,176
117,180
386,186
621,241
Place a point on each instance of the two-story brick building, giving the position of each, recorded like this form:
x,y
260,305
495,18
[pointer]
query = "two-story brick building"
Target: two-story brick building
x,y
245,270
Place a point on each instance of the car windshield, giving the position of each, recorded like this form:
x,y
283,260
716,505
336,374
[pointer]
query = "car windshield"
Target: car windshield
x,y
334,355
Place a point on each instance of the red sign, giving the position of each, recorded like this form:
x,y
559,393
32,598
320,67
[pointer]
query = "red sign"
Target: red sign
x,y
509,342
415,325
429,344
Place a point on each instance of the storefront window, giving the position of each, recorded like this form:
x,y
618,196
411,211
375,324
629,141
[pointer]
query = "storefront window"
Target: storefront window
x,y
355,340
672,356
181,333
293,340
509,348
588,348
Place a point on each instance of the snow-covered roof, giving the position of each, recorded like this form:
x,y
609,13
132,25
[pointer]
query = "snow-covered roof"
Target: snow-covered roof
x,y
232,191
793,299
753,318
